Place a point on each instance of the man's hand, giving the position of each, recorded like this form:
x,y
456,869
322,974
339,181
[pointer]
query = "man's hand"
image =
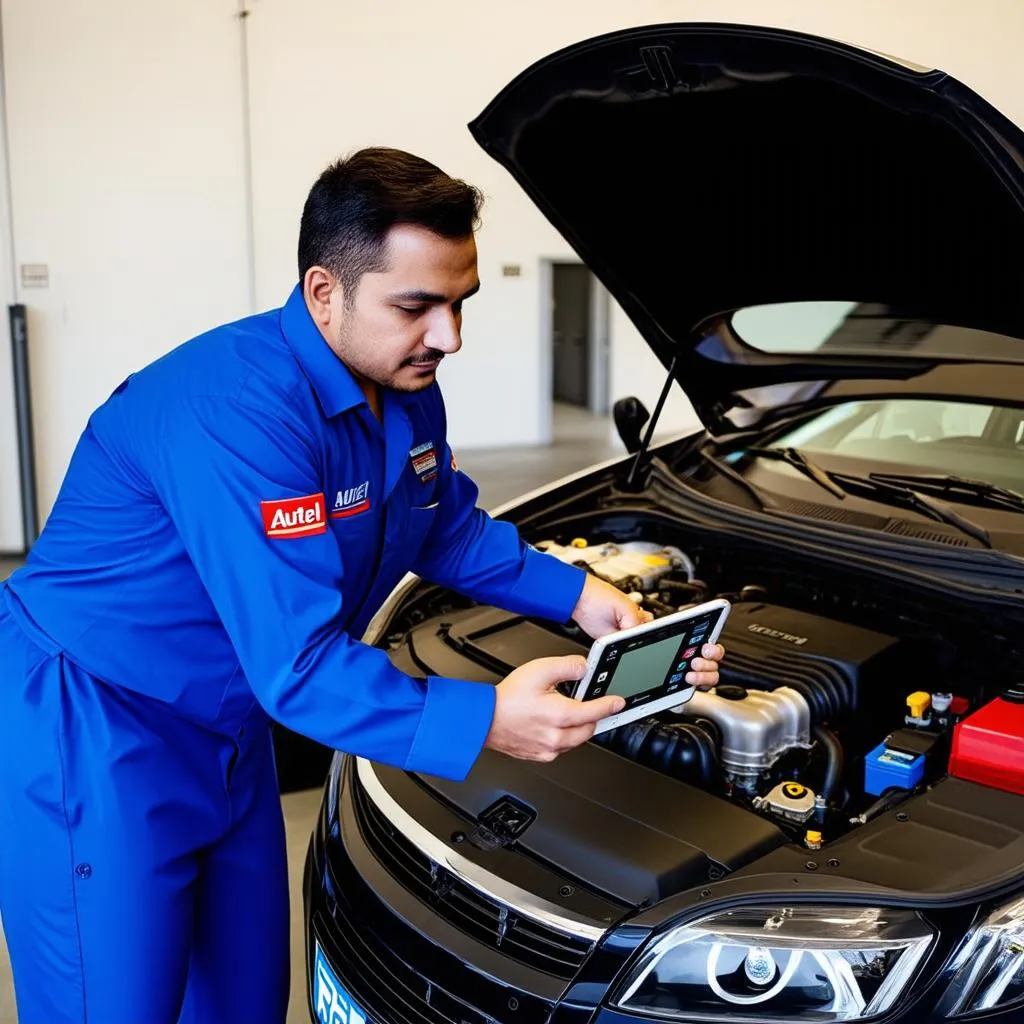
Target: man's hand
x,y
534,722
703,671
603,609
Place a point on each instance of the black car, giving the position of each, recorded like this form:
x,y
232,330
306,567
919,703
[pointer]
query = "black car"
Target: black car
x,y
825,249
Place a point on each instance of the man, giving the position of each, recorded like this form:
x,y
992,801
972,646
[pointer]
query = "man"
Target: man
x,y
232,517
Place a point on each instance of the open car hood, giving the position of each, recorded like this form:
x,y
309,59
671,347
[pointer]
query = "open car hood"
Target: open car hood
x,y
699,169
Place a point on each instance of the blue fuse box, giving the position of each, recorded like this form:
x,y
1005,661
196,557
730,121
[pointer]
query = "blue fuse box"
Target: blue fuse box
x,y
885,767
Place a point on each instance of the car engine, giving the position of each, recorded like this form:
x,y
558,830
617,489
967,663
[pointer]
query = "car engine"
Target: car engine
x,y
812,723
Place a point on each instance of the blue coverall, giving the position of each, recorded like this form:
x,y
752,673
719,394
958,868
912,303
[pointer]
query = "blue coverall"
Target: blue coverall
x,y
232,517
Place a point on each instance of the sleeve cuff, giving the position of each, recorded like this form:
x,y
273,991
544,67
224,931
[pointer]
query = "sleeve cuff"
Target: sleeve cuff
x,y
456,719
548,587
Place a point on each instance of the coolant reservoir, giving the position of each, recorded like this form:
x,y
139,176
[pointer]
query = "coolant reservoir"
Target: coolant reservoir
x,y
988,747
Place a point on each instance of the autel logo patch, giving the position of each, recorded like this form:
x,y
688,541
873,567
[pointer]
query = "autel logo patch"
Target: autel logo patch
x,y
294,517
352,501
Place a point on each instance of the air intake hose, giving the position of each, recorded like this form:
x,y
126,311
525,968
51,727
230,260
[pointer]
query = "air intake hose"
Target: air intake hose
x,y
687,751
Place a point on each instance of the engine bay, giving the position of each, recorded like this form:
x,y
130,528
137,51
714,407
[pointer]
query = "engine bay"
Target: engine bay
x,y
822,720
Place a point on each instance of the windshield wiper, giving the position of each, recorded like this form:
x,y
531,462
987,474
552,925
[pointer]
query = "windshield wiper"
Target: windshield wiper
x,y
989,495
736,477
890,493
842,484
796,458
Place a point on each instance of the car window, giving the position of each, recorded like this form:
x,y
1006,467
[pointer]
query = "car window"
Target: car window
x,y
963,438
865,329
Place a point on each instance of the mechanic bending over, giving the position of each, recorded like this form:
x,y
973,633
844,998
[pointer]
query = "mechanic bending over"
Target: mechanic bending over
x,y
232,517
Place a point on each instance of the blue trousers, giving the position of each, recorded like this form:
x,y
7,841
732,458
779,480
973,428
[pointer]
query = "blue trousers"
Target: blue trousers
x,y
142,857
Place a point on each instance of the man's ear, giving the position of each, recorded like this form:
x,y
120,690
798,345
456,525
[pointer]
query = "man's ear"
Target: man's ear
x,y
318,288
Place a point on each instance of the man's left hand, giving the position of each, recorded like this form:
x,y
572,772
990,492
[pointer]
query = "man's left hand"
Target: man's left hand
x,y
603,609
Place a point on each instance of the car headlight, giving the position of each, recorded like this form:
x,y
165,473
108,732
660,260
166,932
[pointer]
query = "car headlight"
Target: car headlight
x,y
987,971
780,963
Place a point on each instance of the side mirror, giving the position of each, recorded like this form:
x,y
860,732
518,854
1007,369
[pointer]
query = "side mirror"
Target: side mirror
x,y
630,415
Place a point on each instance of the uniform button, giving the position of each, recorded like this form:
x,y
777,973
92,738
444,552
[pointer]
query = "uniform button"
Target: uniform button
x,y
84,870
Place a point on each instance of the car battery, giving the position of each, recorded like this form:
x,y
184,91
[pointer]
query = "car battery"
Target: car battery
x,y
988,746
888,766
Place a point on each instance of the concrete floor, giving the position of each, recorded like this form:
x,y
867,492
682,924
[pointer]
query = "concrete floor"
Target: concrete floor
x,y
580,440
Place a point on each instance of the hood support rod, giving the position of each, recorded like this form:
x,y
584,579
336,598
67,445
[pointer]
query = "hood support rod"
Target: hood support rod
x,y
662,398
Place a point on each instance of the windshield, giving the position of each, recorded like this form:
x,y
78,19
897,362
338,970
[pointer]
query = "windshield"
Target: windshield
x,y
984,442
863,329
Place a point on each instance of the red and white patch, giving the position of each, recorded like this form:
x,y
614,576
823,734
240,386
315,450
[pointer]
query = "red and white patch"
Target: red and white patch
x,y
294,517
424,461
352,501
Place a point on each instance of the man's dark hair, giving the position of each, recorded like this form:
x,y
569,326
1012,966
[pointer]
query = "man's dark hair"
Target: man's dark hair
x,y
357,200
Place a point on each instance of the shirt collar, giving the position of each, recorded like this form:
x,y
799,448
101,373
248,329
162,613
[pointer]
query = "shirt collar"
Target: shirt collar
x,y
334,385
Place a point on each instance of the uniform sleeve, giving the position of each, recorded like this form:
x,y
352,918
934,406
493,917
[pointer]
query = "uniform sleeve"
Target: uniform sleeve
x,y
281,598
487,560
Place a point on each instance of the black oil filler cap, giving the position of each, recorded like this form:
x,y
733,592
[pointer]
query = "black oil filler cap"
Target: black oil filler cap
x,y
730,692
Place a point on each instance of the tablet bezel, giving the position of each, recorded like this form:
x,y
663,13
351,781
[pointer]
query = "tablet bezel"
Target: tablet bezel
x,y
671,700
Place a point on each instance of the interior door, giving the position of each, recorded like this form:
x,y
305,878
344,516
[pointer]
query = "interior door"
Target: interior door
x,y
570,333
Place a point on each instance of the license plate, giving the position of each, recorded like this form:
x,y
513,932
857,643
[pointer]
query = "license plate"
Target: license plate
x,y
333,1004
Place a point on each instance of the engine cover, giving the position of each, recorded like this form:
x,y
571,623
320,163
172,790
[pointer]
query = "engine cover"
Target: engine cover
x,y
829,662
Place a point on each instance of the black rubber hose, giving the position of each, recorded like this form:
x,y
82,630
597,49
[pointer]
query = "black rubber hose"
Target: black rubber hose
x,y
687,751
834,762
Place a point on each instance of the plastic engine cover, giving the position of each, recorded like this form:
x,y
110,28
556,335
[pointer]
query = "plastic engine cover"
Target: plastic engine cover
x,y
988,747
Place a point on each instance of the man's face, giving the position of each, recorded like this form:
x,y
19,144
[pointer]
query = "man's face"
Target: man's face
x,y
404,320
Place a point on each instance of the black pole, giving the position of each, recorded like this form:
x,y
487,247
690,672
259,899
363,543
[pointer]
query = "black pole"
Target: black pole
x,y
23,410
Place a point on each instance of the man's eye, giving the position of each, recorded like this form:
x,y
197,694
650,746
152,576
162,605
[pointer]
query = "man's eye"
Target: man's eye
x,y
412,310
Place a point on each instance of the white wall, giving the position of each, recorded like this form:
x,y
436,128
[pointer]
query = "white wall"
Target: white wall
x,y
11,534
128,172
329,77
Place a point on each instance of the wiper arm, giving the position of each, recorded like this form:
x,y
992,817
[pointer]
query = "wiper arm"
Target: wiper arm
x,y
737,478
989,494
891,493
842,484
796,458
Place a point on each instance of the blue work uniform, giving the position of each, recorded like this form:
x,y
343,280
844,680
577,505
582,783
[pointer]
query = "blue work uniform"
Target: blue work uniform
x,y
232,517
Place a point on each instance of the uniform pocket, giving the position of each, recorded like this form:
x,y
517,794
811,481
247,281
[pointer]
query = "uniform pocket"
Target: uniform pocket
x,y
421,521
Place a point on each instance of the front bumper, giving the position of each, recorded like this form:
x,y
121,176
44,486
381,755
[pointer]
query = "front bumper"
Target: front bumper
x,y
404,961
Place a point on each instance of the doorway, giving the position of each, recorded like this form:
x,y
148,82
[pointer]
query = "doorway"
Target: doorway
x,y
579,339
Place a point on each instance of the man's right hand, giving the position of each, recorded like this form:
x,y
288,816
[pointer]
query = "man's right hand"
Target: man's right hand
x,y
534,722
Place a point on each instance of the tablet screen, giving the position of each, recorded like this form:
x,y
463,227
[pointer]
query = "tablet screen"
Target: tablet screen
x,y
653,665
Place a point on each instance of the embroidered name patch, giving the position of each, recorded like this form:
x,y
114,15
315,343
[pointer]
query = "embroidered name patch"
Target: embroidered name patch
x,y
352,501
424,461
294,517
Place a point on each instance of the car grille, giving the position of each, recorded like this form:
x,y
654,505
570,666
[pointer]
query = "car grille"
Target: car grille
x,y
384,985
488,921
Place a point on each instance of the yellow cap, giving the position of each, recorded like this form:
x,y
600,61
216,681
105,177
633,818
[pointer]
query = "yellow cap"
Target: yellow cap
x,y
919,703
579,542
794,790
658,560
813,838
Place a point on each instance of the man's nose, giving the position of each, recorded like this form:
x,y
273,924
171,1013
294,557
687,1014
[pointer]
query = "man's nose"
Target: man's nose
x,y
444,333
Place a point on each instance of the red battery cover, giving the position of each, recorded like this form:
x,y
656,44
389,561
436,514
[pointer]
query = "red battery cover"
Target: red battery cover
x,y
988,747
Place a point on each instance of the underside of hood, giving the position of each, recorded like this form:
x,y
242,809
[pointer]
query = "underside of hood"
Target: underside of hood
x,y
699,169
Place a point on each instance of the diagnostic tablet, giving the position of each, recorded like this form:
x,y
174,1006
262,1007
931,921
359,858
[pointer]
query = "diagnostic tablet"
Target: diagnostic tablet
x,y
647,664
